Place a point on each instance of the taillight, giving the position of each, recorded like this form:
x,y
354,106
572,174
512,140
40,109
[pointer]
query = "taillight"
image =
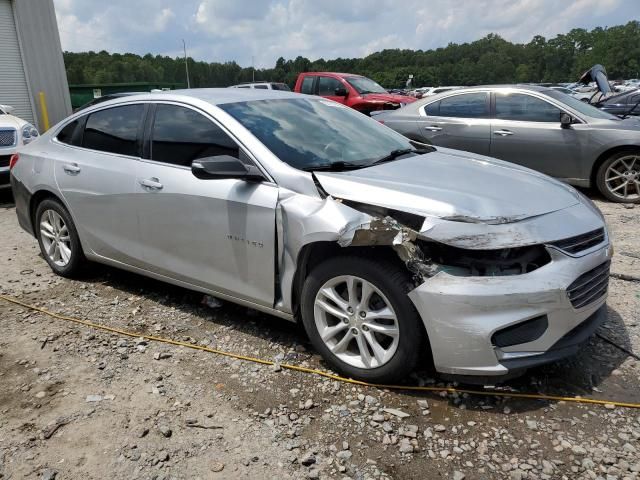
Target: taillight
x,y
13,160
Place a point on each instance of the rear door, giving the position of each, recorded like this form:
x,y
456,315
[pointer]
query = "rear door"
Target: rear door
x,y
459,121
95,164
526,130
216,234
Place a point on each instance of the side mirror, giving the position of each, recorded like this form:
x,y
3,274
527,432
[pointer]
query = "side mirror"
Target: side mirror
x,y
340,92
223,167
565,120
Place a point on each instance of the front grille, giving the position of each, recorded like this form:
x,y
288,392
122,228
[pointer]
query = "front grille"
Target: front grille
x,y
4,160
7,137
590,286
580,243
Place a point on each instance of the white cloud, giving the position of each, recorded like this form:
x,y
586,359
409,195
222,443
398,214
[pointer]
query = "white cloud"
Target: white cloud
x,y
224,30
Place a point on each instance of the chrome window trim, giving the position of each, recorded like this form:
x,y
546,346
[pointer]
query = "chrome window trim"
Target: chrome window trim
x,y
449,94
551,101
250,155
540,96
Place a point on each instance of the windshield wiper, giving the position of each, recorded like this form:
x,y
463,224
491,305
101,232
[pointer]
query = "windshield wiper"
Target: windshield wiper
x,y
393,154
338,166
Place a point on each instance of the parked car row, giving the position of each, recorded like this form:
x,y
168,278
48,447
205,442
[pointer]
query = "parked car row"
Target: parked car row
x,y
386,249
536,127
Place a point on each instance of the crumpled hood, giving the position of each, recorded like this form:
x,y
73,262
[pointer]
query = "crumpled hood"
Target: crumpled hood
x,y
454,186
388,97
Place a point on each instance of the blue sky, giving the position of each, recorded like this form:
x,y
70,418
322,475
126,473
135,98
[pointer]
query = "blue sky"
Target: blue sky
x,y
225,30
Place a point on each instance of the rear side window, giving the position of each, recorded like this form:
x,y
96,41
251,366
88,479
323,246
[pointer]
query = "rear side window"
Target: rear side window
x,y
261,87
467,105
525,108
66,135
307,85
114,130
433,109
181,135
327,86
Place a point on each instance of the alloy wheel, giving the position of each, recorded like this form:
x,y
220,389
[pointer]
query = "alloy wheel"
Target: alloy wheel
x,y
56,240
356,322
622,177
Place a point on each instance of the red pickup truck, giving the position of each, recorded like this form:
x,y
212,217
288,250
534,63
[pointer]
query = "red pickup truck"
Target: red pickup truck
x,y
355,91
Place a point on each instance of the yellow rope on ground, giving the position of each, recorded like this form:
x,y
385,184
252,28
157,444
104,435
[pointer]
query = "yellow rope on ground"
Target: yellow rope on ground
x,y
491,393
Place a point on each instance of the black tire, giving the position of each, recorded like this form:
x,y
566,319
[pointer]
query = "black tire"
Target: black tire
x,y
394,282
600,177
77,260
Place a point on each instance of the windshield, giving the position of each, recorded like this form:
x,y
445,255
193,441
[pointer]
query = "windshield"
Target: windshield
x,y
365,85
579,105
310,133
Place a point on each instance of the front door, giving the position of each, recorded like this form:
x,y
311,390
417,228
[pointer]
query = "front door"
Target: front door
x,y
460,121
327,88
526,130
95,171
216,234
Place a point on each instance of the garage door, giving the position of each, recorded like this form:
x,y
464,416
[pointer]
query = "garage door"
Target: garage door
x,y
13,84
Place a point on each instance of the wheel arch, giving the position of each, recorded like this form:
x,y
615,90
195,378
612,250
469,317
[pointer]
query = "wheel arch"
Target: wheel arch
x,y
312,254
605,155
36,199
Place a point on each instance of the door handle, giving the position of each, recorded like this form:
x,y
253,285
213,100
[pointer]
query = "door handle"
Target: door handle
x,y
503,133
433,128
151,183
71,168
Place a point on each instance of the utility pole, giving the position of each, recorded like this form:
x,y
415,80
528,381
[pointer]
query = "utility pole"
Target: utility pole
x,y
186,63
253,69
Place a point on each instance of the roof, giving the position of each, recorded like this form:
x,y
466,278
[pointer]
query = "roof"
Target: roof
x,y
521,86
333,73
217,96
213,96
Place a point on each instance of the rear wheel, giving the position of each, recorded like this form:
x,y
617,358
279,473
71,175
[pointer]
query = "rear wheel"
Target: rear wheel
x,y
618,177
357,315
58,239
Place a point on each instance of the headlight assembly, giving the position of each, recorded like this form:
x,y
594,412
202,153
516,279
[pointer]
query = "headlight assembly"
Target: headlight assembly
x,y
29,133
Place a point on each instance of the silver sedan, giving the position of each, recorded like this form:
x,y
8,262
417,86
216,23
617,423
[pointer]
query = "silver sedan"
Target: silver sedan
x,y
539,128
300,207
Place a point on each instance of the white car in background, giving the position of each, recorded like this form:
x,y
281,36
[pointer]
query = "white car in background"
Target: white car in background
x,y
14,133
264,86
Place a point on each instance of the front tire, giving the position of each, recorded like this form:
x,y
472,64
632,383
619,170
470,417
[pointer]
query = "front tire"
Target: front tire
x,y
58,239
618,178
358,316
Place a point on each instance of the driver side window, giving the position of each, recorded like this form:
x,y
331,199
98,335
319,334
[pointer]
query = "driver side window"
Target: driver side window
x,y
525,108
327,86
180,135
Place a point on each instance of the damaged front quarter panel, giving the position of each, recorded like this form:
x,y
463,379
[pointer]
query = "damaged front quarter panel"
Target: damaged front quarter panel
x,y
303,220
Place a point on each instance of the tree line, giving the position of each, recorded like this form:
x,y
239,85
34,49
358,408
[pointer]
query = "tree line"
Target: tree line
x,y
491,59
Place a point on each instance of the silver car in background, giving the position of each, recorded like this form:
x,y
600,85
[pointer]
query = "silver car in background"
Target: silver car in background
x,y
536,127
300,207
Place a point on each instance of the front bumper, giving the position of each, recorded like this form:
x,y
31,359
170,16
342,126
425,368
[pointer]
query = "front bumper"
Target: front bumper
x,y
462,314
4,178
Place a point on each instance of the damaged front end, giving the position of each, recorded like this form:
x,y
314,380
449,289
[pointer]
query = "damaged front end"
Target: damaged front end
x,y
424,257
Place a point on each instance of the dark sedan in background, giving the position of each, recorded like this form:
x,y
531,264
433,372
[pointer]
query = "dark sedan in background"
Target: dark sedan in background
x,y
537,127
622,105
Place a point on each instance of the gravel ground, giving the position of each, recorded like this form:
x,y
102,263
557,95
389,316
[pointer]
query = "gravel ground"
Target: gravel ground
x,y
78,403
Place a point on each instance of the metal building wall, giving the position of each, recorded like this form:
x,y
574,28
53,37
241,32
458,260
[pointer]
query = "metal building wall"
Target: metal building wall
x,y
42,56
14,89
